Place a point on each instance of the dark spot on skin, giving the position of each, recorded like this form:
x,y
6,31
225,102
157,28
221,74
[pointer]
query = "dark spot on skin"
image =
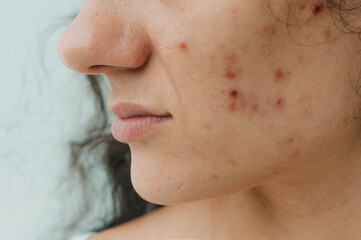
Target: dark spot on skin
x,y
302,7
317,9
234,94
183,46
279,74
238,100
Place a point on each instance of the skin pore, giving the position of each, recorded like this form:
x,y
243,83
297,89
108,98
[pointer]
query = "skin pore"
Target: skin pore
x,y
263,143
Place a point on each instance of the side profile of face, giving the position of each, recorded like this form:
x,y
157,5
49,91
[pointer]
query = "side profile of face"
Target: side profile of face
x,y
258,90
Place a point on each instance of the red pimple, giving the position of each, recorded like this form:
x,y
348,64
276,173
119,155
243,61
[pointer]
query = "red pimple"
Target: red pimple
x,y
183,45
230,74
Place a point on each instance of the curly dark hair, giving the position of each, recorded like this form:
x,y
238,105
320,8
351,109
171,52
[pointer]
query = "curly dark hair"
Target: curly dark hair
x,y
116,156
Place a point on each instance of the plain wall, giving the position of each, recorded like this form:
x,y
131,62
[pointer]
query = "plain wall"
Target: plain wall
x,y
41,111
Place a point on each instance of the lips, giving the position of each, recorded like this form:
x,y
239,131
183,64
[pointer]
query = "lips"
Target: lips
x,y
131,110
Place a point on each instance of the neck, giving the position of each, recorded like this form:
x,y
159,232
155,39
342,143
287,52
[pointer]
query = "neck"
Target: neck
x,y
322,200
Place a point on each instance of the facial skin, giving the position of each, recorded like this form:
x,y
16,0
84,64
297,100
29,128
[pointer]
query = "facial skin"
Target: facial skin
x,y
262,134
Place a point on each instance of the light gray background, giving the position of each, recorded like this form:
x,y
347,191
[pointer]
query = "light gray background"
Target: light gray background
x,y
40,112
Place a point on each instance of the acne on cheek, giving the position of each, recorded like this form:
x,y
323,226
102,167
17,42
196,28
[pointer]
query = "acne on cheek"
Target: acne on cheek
x,y
238,100
232,70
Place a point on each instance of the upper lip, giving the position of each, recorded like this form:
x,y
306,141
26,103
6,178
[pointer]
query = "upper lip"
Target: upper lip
x,y
129,110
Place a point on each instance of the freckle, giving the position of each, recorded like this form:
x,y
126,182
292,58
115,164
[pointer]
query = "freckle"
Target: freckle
x,y
183,46
302,7
290,140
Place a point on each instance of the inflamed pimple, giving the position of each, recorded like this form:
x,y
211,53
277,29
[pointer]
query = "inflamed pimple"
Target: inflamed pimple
x,y
279,103
183,46
280,74
238,101
231,71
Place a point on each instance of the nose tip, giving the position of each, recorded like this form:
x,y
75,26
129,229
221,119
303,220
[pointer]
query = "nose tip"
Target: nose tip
x,y
93,40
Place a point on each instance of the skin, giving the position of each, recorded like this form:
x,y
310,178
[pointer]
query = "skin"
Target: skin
x,y
263,141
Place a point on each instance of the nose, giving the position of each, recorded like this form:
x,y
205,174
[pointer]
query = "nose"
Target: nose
x,y
103,37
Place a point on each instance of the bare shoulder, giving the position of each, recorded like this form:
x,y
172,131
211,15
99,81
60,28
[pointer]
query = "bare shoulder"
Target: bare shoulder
x,y
136,229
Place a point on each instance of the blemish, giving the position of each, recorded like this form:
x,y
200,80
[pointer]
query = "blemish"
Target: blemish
x,y
238,100
279,74
290,140
317,9
183,46
230,74
231,71
279,103
234,94
302,7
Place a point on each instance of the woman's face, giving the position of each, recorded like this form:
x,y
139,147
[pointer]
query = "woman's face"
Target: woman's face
x,y
253,99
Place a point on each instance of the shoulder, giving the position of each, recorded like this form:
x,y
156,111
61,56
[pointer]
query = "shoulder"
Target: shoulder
x,y
134,229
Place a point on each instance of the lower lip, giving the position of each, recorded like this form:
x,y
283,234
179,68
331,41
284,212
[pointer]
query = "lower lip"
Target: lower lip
x,y
132,129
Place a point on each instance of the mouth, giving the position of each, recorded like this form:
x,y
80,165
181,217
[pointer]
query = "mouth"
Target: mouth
x,y
134,128
133,121
130,110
